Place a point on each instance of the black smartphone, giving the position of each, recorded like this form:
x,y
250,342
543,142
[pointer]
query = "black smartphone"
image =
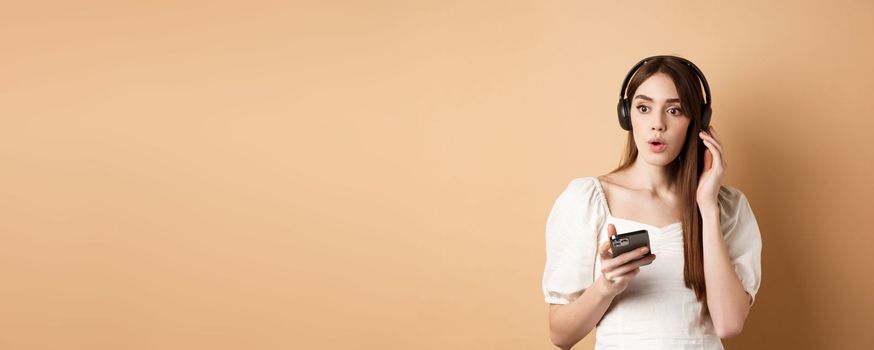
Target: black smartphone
x,y
626,242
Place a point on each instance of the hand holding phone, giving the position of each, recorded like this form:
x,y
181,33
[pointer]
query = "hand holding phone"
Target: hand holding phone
x,y
621,263
628,241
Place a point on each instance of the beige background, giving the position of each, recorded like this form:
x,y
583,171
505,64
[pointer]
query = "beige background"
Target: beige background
x,y
377,174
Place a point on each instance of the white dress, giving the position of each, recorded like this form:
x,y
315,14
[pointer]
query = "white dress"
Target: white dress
x,y
656,310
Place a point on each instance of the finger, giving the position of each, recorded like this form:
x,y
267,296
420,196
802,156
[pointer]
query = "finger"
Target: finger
x,y
713,133
717,156
713,141
629,256
625,278
714,138
646,260
717,152
708,159
611,230
629,267
718,142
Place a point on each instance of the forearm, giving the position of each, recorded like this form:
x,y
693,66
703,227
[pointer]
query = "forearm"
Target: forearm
x,y
728,302
570,323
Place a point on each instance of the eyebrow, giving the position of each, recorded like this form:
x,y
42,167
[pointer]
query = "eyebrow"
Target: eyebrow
x,y
645,97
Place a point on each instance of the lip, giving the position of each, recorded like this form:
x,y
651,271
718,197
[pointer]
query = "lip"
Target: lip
x,y
661,147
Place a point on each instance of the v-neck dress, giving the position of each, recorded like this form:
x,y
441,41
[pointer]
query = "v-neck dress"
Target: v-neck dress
x,y
656,310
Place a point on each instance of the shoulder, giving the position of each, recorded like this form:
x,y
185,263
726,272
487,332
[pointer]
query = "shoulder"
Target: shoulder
x,y
581,196
578,213
731,199
735,210
582,186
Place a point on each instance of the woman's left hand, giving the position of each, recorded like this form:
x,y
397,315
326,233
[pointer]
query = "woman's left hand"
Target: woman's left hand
x,y
714,170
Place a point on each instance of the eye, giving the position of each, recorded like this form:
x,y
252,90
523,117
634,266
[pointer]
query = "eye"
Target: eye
x,y
678,111
642,110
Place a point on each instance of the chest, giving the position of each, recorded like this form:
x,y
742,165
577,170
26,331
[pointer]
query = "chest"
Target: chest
x,y
658,211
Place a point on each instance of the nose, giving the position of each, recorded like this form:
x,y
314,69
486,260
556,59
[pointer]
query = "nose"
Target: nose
x,y
658,123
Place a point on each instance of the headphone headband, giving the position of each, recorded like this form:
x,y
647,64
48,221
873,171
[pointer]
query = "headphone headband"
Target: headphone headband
x,y
624,110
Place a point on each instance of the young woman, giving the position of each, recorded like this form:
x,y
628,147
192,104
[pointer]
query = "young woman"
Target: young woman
x,y
700,281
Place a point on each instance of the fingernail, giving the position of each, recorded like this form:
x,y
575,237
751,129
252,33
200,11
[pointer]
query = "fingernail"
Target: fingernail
x,y
644,250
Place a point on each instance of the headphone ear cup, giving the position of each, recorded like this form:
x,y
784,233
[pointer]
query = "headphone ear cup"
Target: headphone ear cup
x,y
624,117
705,117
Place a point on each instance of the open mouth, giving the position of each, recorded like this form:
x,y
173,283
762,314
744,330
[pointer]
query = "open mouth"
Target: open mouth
x,y
657,146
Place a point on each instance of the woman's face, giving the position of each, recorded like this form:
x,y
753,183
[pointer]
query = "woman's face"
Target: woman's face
x,y
658,120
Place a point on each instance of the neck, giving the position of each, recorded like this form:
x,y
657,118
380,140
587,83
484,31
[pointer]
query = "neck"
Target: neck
x,y
654,178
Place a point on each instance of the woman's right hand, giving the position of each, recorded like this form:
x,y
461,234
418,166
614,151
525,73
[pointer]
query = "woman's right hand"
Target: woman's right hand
x,y
617,272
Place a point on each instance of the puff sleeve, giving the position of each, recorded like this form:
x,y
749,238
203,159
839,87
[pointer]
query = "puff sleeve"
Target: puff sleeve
x,y
742,237
571,241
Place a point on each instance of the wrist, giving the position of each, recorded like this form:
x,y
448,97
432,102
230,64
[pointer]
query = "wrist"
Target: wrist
x,y
603,289
708,208
710,214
